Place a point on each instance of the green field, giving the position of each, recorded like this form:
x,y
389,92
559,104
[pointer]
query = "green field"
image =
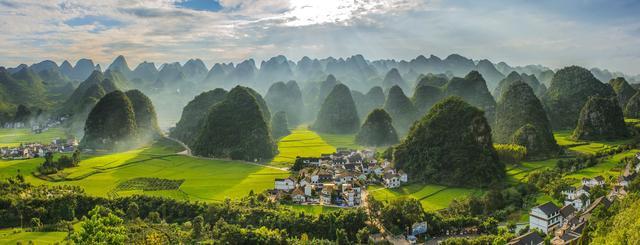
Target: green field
x,y
312,209
13,236
585,147
13,137
204,179
341,140
519,173
607,168
301,142
432,197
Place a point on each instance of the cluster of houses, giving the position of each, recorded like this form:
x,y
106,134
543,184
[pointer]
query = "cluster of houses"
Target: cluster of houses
x,y
337,179
33,150
44,126
566,223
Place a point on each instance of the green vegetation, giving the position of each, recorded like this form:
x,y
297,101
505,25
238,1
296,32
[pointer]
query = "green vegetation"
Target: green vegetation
x,y
601,119
194,113
569,90
15,236
377,130
287,98
301,142
393,78
279,125
432,197
510,153
513,77
457,139
145,114
111,124
236,128
425,96
16,136
623,90
401,109
520,119
632,109
338,114
473,89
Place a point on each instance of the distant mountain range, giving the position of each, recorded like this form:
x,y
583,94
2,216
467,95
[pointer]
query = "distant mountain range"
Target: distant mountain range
x,y
355,71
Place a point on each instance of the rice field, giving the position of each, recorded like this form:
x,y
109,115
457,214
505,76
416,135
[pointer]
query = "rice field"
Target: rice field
x,y
301,142
16,236
432,197
14,136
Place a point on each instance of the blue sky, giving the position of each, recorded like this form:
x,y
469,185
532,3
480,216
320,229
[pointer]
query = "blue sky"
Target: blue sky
x,y
590,33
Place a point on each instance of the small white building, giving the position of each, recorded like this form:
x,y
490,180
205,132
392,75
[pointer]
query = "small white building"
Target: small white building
x,y
545,217
578,198
285,184
596,181
391,180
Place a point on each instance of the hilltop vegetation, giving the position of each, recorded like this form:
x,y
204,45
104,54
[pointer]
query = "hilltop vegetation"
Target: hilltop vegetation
x,y
401,109
279,125
601,119
286,98
473,89
521,119
377,130
111,124
451,145
569,90
338,114
235,128
623,90
145,114
193,114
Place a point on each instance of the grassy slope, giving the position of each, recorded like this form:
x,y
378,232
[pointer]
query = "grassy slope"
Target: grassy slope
x,y
13,137
432,197
7,236
205,180
301,142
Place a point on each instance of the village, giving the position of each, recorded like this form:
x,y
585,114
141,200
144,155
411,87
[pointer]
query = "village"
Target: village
x,y
566,223
337,179
34,150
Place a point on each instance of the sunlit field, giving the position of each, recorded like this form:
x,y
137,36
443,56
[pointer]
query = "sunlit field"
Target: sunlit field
x,y
13,137
17,236
301,142
432,197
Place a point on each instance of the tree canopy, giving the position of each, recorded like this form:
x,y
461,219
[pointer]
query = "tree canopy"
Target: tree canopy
x,y
111,123
451,145
193,114
377,130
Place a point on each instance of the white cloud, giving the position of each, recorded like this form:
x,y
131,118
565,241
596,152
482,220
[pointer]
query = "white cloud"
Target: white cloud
x,y
159,31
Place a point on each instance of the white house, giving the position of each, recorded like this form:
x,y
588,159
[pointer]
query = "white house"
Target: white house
x,y
596,181
298,195
545,217
285,184
391,180
403,176
578,198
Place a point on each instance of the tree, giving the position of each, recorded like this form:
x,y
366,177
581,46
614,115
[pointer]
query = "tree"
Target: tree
x,y
363,235
76,157
401,214
198,227
341,237
102,227
133,211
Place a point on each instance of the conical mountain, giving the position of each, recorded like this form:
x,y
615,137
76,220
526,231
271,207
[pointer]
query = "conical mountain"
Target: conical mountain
x,y
338,114
146,72
111,124
401,109
623,90
376,97
377,130
287,98
393,78
279,125
216,74
195,70
66,68
362,104
120,64
451,145
473,89
24,87
489,73
432,80
425,96
83,69
170,75
601,119
145,115
521,119
193,115
569,91
513,77
266,113
235,128
43,66
632,110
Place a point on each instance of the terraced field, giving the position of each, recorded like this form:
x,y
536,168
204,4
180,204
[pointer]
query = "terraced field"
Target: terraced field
x,y
13,137
432,197
585,147
204,179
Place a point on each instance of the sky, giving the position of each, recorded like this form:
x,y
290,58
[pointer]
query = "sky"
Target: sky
x,y
590,33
